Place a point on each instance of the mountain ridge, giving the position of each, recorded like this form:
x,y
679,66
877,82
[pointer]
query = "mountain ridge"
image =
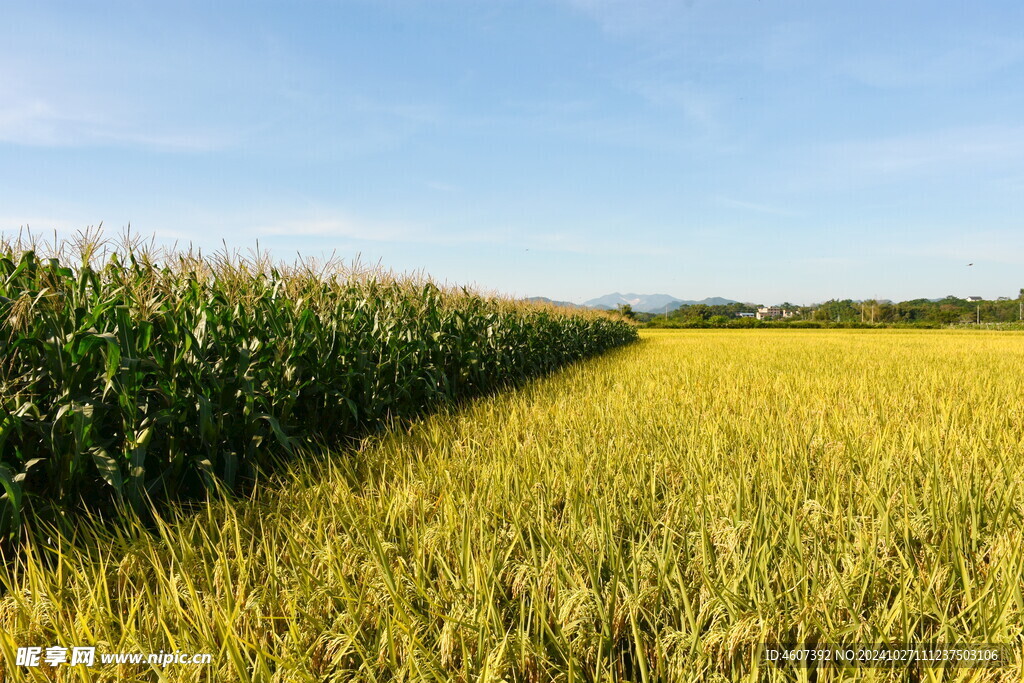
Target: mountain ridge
x,y
650,303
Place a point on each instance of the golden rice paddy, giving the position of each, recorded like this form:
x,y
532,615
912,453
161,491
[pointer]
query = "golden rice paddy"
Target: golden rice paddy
x,y
653,514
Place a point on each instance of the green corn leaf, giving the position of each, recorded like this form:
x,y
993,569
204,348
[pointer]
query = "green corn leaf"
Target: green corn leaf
x,y
283,439
108,468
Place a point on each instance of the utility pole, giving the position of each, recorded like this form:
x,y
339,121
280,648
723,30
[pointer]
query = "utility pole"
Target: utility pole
x,y
979,314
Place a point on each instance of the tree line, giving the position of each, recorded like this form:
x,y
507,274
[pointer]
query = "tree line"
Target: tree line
x,y
950,310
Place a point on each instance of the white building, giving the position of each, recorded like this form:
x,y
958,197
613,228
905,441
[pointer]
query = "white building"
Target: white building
x,y
767,312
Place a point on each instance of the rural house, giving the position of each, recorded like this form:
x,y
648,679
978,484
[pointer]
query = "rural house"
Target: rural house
x,y
768,312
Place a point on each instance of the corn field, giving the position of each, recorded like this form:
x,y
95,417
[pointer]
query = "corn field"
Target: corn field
x,y
650,515
129,375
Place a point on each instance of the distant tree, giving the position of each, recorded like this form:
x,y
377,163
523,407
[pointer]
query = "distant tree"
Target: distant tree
x,y
642,317
837,311
627,311
700,311
868,311
949,313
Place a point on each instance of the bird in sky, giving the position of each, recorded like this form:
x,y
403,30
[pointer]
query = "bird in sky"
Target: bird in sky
x,y
970,264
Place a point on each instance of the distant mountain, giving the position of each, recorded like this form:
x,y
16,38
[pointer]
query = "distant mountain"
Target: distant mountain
x,y
545,300
713,301
645,303
650,303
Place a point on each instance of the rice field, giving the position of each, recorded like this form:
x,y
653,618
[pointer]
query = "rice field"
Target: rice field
x,y
652,514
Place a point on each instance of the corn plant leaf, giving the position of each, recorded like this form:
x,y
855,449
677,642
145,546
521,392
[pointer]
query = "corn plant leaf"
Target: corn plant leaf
x,y
107,468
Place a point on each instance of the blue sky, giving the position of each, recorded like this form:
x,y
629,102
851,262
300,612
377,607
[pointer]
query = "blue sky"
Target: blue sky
x,y
761,151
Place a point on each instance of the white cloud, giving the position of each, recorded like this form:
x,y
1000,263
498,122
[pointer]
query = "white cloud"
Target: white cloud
x,y
37,123
789,45
326,225
38,225
935,151
979,247
754,206
371,231
945,60
629,17
442,187
40,111
697,104
49,230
